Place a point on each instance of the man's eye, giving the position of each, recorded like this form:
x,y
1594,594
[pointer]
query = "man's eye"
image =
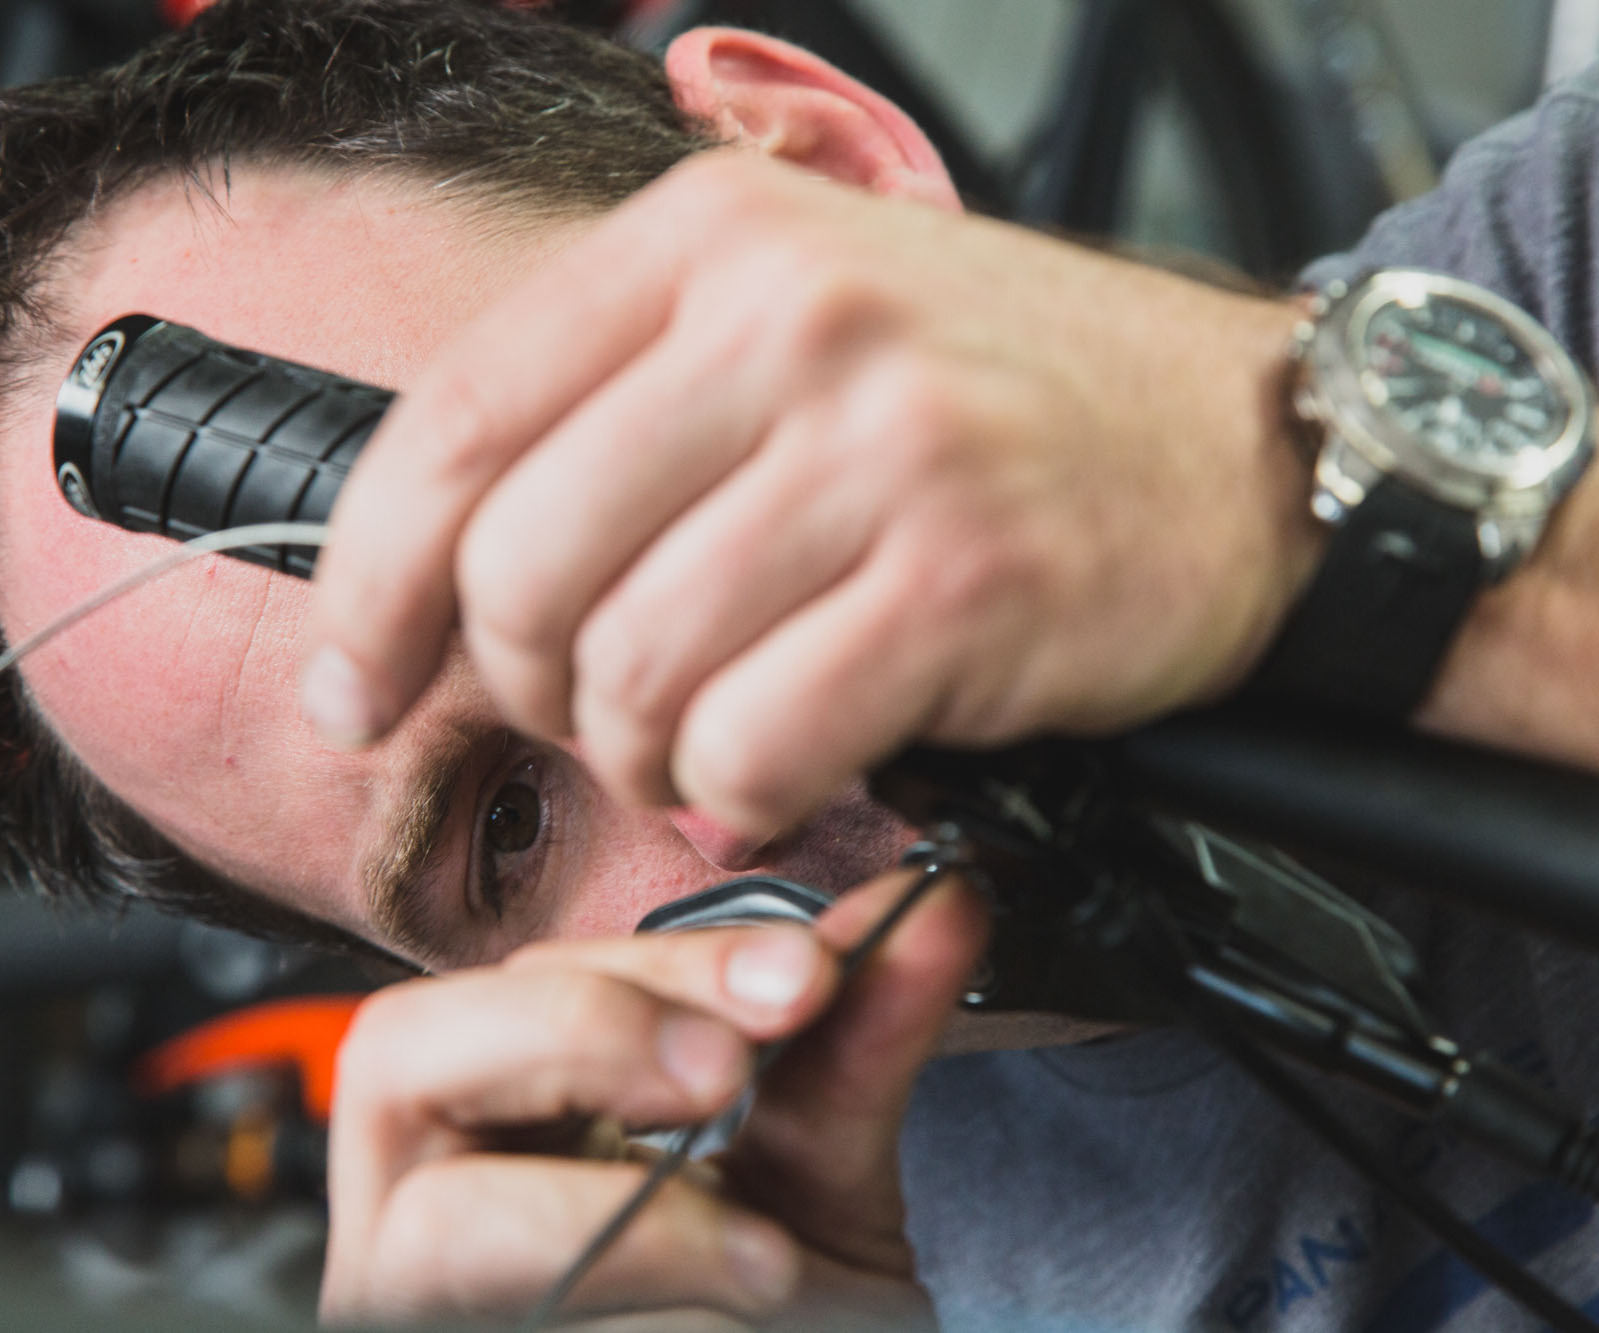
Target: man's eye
x,y
514,820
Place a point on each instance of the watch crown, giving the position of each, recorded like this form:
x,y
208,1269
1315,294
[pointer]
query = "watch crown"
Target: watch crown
x,y
1327,507
1335,290
1307,407
1491,538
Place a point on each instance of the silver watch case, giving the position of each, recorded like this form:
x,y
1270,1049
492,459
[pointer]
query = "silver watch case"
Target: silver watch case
x,y
1362,444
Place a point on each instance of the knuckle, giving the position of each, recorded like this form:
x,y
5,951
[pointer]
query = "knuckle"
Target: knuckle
x,y
832,306
898,407
970,578
616,664
377,1033
709,197
906,403
419,1223
734,782
457,422
719,187
504,596
630,764
528,688
965,573
787,290
588,1003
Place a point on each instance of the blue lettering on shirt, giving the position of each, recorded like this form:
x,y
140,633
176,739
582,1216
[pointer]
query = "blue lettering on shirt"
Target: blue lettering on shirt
x,y
1287,1285
1350,1248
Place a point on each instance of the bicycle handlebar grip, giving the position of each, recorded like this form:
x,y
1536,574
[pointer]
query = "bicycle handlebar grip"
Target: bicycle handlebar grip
x,y
162,429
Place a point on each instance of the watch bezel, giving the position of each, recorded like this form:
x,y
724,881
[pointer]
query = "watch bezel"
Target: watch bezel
x,y
1335,357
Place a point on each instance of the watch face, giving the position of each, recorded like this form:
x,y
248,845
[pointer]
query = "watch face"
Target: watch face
x,y
1457,379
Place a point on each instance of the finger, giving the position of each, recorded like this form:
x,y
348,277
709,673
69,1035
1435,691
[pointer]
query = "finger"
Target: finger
x,y
820,1148
775,534
652,1031
835,687
384,602
587,1028
848,1299
765,980
662,1321
567,518
480,1234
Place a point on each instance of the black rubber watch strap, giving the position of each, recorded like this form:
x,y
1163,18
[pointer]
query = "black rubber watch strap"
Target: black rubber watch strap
x,y
1400,574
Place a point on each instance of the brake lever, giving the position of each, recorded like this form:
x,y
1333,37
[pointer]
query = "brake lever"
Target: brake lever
x,y
1054,840
1284,914
1104,910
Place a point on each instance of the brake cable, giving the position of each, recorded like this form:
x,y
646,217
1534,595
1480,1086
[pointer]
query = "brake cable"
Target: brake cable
x,y
935,862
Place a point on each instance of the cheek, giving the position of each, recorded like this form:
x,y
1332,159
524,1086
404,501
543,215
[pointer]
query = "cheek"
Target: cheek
x,y
627,875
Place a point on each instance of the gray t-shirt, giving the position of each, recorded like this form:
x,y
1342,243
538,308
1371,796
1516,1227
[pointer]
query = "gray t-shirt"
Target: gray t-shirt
x,y
1141,1184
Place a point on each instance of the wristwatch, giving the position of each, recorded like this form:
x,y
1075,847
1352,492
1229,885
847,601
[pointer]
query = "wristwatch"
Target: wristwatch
x,y
1445,424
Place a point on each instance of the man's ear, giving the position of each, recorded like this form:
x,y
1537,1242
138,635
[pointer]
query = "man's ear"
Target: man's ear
x,y
769,95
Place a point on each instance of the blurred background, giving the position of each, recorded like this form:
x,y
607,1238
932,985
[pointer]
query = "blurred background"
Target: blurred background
x,y
163,1085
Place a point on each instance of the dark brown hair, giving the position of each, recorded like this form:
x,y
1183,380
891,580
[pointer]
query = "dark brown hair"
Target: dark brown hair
x,y
501,106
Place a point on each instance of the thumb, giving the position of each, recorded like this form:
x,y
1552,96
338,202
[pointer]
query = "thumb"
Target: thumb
x,y
820,1149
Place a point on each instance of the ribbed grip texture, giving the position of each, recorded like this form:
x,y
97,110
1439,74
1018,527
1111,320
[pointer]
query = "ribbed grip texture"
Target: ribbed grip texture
x,y
191,436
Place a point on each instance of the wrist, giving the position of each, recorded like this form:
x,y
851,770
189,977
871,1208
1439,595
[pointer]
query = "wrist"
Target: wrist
x,y
1449,428
1283,544
1520,675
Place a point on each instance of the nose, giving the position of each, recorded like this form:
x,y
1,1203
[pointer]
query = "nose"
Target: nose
x,y
718,844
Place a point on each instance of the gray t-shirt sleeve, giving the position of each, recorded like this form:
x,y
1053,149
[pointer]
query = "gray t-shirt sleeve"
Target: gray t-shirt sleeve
x,y
1517,212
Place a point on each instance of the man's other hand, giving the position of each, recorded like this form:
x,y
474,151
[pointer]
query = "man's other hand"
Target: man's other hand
x,y
439,1207
764,477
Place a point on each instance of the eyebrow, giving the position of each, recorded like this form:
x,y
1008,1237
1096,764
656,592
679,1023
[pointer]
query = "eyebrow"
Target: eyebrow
x,y
395,874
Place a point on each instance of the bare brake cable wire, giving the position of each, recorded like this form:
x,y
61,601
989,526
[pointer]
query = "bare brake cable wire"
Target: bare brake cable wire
x,y
228,539
682,1145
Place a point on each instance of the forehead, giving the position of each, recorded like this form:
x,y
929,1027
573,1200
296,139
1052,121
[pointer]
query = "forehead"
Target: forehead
x,y
299,262
181,698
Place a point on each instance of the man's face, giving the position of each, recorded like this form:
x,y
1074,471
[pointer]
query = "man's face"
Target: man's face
x,y
181,697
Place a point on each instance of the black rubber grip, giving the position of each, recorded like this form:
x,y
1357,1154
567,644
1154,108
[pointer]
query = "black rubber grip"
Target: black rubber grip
x,y
162,429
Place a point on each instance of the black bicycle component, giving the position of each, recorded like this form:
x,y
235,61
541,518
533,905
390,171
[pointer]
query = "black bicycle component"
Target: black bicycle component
x,y
1082,155
1081,846
1498,1268
1265,945
1167,956
162,429
1512,837
747,901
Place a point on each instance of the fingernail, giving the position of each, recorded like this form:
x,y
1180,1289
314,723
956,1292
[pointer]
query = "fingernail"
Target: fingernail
x,y
762,1259
704,1056
773,969
335,699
